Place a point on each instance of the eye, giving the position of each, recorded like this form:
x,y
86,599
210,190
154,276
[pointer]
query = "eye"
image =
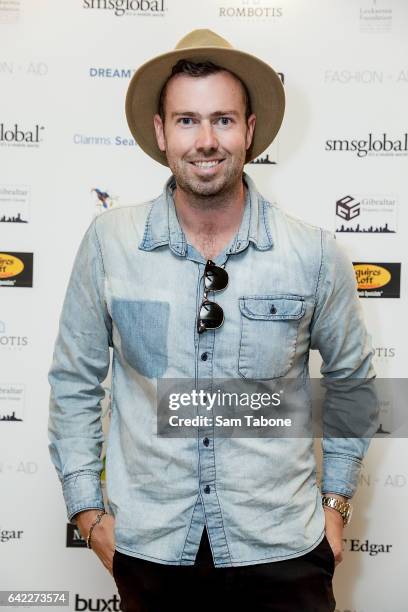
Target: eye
x,y
225,120
184,120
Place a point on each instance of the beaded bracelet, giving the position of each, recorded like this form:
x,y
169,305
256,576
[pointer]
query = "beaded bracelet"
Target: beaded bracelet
x,y
96,521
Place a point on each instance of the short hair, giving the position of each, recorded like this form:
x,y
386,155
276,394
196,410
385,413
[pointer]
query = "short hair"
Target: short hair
x,y
200,69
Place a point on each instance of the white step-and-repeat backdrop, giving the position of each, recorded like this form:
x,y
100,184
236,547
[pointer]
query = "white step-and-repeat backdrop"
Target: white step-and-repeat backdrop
x,y
340,161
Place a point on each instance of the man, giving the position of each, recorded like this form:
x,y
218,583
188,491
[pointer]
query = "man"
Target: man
x,y
238,521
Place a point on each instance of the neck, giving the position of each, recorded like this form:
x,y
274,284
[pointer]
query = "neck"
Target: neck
x,y
210,222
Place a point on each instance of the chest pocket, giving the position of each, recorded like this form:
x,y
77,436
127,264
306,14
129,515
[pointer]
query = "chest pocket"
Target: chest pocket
x,y
269,329
143,328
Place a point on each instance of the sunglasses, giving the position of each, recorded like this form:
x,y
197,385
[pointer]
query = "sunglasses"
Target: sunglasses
x,y
211,315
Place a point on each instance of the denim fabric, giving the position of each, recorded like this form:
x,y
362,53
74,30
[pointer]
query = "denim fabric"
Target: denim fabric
x,y
134,292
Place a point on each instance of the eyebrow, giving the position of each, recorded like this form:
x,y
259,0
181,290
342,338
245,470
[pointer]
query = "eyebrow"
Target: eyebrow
x,y
215,114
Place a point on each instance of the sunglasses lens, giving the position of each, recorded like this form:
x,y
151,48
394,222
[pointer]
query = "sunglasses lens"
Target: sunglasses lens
x,y
211,316
215,278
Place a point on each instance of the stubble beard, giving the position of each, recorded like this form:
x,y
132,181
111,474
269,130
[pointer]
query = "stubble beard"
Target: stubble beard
x,y
208,190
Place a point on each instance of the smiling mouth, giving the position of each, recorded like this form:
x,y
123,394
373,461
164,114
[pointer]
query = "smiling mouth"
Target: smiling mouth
x,y
207,164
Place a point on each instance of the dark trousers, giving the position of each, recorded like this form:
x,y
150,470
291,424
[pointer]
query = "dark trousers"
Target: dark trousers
x,y
303,584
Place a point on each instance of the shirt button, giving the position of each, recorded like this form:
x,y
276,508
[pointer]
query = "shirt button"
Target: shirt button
x,y
204,356
207,489
206,441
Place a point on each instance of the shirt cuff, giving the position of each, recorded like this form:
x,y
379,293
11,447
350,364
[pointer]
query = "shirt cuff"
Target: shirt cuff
x,y
82,491
340,475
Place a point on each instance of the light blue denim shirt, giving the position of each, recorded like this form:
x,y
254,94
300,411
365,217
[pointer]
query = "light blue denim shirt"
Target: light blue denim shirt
x,y
136,287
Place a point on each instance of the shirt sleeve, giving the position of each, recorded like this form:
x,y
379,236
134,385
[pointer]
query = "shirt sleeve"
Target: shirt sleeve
x,y
338,331
80,364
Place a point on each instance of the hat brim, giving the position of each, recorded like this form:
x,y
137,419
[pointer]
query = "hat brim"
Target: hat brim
x,y
263,83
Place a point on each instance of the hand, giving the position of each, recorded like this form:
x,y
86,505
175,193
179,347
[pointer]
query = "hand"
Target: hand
x,y
334,533
103,535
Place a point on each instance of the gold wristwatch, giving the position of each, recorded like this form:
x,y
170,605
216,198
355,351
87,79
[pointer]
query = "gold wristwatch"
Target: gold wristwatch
x,y
341,506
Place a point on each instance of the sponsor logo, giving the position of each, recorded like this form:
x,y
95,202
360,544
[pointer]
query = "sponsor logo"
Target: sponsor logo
x,y
380,280
270,155
15,69
11,402
7,535
16,269
15,136
261,10
14,203
103,201
108,605
366,214
104,141
371,146
111,73
145,8
384,352
341,76
268,158
74,538
11,342
394,481
365,546
10,11
28,468
375,18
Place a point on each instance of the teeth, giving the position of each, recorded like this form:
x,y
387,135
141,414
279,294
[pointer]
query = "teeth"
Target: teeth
x,y
206,164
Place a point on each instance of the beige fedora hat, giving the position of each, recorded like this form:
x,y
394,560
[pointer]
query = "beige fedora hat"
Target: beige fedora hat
x,y
264,85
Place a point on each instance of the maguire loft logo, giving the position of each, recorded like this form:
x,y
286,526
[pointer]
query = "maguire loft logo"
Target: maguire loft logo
x,y
11,342
17,137
372,215
119,8
371,146
378,280
16,269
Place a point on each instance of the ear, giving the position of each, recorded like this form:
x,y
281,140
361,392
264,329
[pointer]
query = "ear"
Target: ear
x,y
159,129
250,130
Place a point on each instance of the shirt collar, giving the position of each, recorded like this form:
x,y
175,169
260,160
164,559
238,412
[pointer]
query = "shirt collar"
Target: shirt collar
x,y
162,226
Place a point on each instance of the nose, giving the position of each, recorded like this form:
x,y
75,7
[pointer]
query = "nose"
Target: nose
x,y
206,138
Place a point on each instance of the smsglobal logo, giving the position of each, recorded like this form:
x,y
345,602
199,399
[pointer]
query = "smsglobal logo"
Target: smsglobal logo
x,y
371,146
16,136
145,8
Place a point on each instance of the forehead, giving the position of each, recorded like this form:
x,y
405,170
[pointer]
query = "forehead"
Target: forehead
x,y
205,94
